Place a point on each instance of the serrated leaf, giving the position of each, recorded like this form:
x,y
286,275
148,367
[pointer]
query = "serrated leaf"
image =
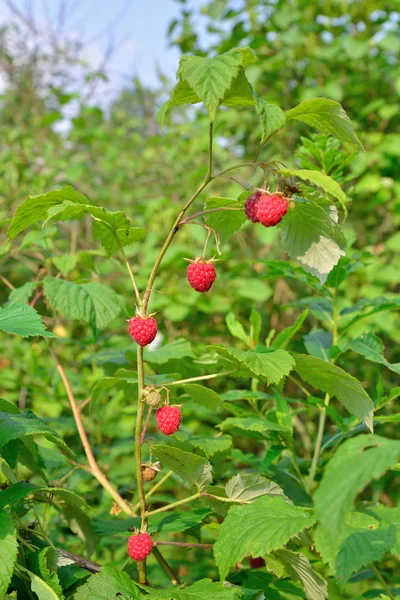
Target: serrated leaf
x,y
211,445
326,115
35,208
42,589
8,551
204,589
203,396
44,564
323,181
272,118
334,381
107,237
211,78
21,294
371,346
182,94
312,237
15,426
109,583
315,587
360,549
192,468
259,424
16,492
247,487
363,459
225,222
257,529
65,263
177,349
388,517
271,365
284,336
93,302
173,522
240,92
236,328
21,319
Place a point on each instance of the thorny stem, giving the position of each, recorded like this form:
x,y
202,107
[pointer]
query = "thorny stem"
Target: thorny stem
x,y
173,505
94,467
165,566
382,581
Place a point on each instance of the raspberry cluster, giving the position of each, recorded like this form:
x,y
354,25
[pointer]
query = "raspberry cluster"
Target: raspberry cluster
x,y
264,208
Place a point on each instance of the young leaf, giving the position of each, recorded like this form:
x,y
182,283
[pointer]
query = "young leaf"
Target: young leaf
x,y
272,118
240,93
8,551
107,237
21,319
236,329
271,365
284,336
312,237
371,346
323,181
192,468
94,303
334,381
35,208
44,564
326,115
21,294
257,529
298,565
225,222
357,462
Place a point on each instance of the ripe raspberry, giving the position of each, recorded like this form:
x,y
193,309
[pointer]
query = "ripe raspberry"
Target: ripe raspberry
x,y
256,563
142,329
271,209
201,275
168,419
139,546
250,207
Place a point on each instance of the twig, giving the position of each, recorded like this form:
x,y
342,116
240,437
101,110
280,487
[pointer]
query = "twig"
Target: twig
x,y
165,566
79,560
185,544
174,504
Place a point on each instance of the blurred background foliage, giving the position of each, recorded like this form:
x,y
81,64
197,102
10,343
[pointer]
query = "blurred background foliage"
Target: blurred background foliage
x,y
53,133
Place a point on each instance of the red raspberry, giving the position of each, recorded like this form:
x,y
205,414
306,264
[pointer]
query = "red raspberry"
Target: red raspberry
x,y
256,563
250,207
142,329
139,546
271,209
168,419
201,275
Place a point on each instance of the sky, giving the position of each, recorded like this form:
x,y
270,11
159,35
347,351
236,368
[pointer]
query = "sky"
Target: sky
x,y
138,29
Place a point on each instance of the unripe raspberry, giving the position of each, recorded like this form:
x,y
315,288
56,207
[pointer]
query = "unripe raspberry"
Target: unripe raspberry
x,y
270,209
250,207
139,546
149,471
168,419
152,397
142,329
201,274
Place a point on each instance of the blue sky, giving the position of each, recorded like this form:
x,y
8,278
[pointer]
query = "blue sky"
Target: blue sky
x,y
138,26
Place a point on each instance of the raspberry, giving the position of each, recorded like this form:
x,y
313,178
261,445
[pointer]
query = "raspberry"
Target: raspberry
x,y
139,546
142,329
271,209
149,472
201,275
168,419
250,207
256,563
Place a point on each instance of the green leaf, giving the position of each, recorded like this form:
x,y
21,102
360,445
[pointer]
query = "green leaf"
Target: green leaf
x,y
255,326
93,302
182,94
326,115
240,93
192,468
177,349
15,426
334,381
247,487
42,589
204,589
173,522
360,549
299,567
21,319
35,208
271,365
211,78
203,396
318,342
109,238
21,294
312,237
65,263
236,329
225,222
362,459
211,445
388,517
44,564
272,118
257,529
16,492
251,424
110,583
8,551
371,346
284,336
323,181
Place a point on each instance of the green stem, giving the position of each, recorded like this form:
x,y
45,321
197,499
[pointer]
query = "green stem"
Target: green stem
x,y
138,456
318,444
165,566
173,505
128,266
199,378
247,164
382,581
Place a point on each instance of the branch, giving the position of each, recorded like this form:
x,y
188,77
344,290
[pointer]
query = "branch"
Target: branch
x,y
79,560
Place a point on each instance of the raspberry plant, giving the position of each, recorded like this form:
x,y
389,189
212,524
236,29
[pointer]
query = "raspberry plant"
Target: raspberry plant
x,y
296,517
